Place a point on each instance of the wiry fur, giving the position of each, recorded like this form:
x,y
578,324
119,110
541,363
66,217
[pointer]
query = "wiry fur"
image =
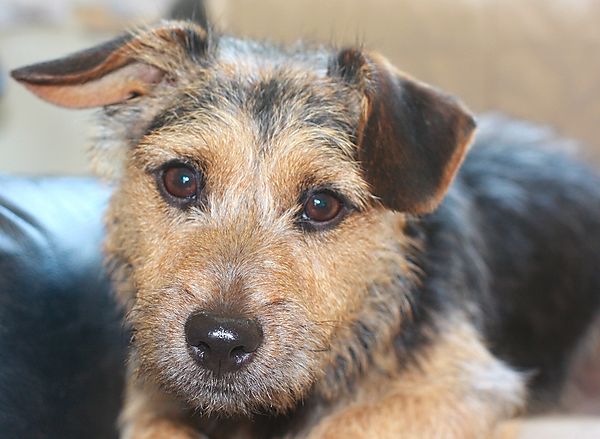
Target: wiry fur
x,y
378,327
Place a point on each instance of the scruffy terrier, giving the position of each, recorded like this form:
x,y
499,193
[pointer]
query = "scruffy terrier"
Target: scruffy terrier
x,y
300,258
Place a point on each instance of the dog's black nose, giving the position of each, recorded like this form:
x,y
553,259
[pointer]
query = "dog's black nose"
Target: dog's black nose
x,y
222,344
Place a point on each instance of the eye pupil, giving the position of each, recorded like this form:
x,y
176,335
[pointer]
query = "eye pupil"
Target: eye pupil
x,y
320,203
185,180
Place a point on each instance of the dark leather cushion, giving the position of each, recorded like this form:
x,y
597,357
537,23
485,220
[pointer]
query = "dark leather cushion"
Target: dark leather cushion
x,y
62,342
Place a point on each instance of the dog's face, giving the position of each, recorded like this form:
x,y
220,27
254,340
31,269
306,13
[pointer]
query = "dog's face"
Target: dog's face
x,y
257,224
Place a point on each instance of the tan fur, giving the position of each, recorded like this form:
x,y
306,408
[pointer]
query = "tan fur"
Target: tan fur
x,y
448,396
150,414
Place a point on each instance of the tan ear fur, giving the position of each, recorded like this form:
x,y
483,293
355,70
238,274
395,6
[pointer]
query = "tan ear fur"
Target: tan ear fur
x,y
117,86
114,71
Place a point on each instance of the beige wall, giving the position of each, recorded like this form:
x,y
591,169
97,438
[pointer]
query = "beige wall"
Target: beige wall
x,y
537,59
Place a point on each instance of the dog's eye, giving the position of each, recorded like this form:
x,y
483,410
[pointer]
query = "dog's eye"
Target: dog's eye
x,y
181,182
322,207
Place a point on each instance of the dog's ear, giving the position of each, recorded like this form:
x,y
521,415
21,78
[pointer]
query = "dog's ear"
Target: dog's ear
x,y
126,67
411,138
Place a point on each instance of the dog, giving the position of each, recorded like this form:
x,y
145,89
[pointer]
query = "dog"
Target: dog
x,y
305,249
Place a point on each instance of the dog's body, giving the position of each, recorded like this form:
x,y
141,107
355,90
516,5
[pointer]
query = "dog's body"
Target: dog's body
x,y
519,222
288,202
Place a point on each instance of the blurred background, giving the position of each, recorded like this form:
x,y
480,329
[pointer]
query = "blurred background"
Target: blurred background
x,y
532,59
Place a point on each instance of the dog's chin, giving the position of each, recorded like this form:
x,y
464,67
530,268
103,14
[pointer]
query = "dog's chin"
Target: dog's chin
x,y
260,388
238,394
231,397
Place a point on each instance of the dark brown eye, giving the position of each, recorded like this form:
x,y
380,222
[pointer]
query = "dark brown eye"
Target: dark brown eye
x,y
180,181
322,207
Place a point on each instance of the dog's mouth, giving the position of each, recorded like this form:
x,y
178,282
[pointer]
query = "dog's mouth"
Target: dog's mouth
x,y
229,366
261,385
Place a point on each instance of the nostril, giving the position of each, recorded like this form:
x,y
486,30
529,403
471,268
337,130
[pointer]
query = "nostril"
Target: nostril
x,y
240,356
201,350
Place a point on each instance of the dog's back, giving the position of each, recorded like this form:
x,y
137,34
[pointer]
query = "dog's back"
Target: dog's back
x,y
520,229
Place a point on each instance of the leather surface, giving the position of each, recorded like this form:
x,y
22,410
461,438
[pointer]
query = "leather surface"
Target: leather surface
x,y
61,338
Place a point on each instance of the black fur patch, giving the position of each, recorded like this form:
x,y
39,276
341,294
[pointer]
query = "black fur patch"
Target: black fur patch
x,y
518,238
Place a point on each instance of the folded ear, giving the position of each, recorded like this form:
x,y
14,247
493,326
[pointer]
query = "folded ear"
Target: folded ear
x,y
411,139
126,67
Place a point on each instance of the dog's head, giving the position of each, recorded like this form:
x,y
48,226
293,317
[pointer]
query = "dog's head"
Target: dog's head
x,y
257,224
